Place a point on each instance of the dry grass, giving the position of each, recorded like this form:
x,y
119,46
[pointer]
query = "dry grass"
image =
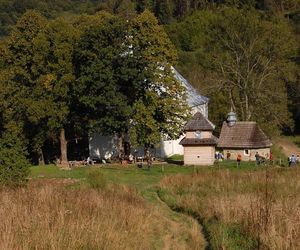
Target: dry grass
x,y
256,209
49,216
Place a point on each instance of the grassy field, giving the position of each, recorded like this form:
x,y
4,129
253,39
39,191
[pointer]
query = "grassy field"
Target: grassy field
x,y
94,208
166,207
246,208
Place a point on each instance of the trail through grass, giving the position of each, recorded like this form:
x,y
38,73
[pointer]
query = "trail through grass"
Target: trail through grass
x,y
181,232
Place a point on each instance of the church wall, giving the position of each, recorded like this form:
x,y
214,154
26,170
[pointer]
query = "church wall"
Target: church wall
x,y
246,156
199,155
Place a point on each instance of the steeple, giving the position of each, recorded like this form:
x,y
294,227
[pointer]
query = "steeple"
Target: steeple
x,y
231,118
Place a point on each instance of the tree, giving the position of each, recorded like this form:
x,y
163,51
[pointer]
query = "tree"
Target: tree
x,y
159,103
40,68
98,56
14,168
241,56
54,48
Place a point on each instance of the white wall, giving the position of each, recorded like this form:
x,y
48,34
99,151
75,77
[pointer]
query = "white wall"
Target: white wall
x,y
100,145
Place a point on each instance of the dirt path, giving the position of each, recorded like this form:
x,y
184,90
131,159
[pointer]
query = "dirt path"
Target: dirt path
x,y
287,147
184,232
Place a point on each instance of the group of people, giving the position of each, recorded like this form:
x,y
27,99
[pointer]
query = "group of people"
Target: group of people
x,y
293,160
258,159
261,159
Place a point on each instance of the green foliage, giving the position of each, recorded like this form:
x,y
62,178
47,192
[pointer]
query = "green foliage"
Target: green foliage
x,y
160,107
95,179
240,58
97,88
14,168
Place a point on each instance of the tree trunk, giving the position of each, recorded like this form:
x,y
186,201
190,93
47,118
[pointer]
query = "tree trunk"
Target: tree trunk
x,y
41,157
63,148
232,103
121,145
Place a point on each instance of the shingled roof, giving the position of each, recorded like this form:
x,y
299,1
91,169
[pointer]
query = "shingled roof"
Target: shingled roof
x,y
198,122
243,135
196,141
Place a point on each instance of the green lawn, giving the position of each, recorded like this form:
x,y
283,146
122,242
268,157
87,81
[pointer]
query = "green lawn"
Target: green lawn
x,y
143,180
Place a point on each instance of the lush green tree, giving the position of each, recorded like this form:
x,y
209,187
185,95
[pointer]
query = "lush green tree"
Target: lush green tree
x,y
14,168
244,56
54,48
40,71
100,47
160,102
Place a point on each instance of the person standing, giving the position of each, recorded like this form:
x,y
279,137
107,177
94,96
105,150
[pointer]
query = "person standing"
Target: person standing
x,y
238,160
293,161
257,158
271,158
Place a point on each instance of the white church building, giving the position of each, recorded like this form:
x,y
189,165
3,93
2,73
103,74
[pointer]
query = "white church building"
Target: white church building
x,y
102,146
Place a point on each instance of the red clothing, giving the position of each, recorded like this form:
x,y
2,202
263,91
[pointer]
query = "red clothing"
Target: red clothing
x,y
239,157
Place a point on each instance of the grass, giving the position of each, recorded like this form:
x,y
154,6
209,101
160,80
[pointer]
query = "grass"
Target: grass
x,y
130,200
69,207
246,208
45,215
143,180
294,139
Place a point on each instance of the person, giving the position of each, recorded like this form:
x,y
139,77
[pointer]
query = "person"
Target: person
x,y
257,158
220,156
217,155
89,161
228,155
148,158
238,159
298,159
131,158
271,158
293,161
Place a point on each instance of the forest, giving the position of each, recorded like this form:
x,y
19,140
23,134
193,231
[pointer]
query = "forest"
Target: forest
x,y
71,67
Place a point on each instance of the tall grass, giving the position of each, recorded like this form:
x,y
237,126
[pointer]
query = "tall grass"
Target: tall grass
x,y
242,210
48,216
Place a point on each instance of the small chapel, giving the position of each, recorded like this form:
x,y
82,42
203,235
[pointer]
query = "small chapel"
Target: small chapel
x,y
199,142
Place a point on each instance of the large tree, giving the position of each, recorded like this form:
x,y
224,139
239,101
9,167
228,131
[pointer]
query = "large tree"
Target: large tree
x,y
159,106
39,69
244,56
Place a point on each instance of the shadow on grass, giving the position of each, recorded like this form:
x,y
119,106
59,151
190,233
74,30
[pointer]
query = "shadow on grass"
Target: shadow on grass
x,y
176,162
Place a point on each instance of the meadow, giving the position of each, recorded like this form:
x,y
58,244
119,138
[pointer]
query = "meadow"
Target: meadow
x,y
166,207
94,208
246,208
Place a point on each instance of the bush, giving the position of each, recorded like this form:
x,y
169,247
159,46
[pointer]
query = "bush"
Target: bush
x,y
14,167
96,179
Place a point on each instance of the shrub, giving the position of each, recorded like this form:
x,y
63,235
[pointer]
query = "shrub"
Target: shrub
x,y
14,167
96,179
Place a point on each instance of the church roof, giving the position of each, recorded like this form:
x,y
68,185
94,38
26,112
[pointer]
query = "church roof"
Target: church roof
x,y
193,97
199,122
196,141
243,135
